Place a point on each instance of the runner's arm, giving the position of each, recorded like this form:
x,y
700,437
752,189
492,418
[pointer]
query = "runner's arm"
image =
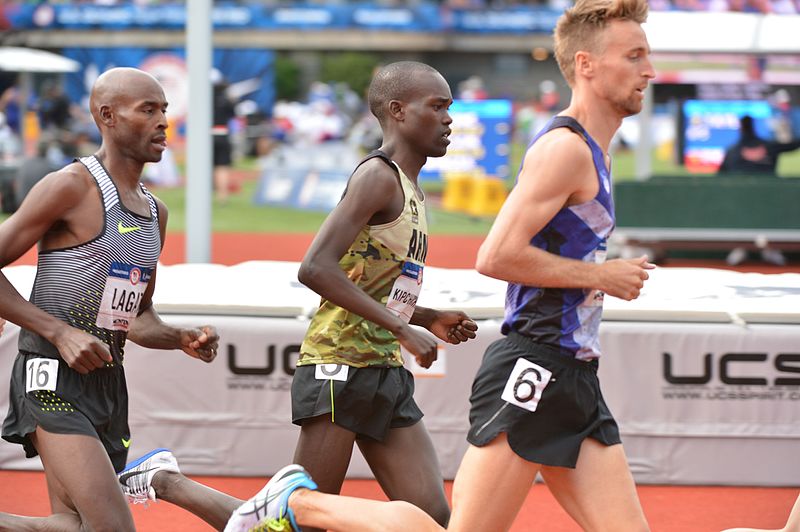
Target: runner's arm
x,y
557,171
370,193
149,330
47,205
452,326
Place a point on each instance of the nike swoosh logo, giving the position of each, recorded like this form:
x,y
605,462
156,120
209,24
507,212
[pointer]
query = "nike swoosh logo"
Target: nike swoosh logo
x,y
126,443
124,230
123,478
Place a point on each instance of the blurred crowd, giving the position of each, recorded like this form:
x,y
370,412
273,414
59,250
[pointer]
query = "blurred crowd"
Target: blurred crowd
x,y
64,128
36,138
556,4
744,6
751,6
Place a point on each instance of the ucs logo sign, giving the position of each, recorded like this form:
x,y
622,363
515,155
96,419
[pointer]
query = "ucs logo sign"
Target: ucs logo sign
x,y
749,369
287,359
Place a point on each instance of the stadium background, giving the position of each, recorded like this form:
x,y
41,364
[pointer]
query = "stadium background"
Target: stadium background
x,y
487,50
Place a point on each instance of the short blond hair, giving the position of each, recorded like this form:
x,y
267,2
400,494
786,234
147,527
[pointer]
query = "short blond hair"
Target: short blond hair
x,y
578,28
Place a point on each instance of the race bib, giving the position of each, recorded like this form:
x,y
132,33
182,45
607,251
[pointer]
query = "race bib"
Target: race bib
x,y
122,295
41,374
525,384
405,291
331,372
595,297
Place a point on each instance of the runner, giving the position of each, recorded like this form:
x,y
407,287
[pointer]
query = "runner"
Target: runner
x,y
536,401
99,233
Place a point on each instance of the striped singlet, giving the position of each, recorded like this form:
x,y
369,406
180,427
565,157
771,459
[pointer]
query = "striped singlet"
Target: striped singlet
x,y
97,286
567,318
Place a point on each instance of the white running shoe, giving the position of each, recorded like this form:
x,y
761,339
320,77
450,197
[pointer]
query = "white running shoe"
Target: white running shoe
x,y
268,510
137,477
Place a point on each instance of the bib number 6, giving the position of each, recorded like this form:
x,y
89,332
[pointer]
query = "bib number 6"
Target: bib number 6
x,y
41,374
525,384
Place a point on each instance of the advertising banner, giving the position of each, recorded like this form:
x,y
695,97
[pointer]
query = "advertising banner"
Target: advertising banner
x,y
237,65
480,141
711,126
225,15
697,401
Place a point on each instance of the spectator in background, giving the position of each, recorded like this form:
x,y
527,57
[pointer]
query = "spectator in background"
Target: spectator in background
x,y
54,107
781,123
689,5
752,155
750,6
30,172
472,88
366,134
10,146
224,112
9,105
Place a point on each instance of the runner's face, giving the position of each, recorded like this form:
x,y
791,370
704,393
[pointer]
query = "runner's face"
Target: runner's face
x,y
427,117
142,122
624,67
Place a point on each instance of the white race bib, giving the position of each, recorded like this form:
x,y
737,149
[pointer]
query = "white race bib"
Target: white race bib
x,y
41,374
122,295
331,372
525,384
405,291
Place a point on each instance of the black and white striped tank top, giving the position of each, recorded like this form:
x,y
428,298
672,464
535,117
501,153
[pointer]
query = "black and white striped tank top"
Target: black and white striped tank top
x,y
97,286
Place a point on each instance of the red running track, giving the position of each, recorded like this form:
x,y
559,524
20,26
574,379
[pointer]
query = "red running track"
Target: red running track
x,y
668,508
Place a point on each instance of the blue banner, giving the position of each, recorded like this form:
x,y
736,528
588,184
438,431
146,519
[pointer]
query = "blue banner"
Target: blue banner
x,y
226,15
301,188
169,67
512,20
479,142
711,126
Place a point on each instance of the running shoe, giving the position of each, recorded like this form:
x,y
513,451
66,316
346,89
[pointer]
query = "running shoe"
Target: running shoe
x,y
137,477
268,510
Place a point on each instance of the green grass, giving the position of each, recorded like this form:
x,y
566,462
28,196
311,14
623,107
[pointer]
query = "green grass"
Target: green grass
x,y
241,214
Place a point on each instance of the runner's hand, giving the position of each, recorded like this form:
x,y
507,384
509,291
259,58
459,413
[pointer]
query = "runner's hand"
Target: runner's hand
x,y
453,326
624,278
82,351
200,343
419,344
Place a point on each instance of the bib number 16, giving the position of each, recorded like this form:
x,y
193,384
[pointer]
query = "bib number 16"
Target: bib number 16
x,y
41,374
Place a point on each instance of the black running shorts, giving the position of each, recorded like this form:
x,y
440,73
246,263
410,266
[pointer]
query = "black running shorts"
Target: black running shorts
x,y
222,150
63,401
545,401
369,402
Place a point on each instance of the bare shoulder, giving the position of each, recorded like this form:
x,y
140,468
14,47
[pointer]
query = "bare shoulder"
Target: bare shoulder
x,y
557,163
375,177
69,185
560,147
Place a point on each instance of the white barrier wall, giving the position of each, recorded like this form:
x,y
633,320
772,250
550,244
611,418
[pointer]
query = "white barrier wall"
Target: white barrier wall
x,y
715,402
